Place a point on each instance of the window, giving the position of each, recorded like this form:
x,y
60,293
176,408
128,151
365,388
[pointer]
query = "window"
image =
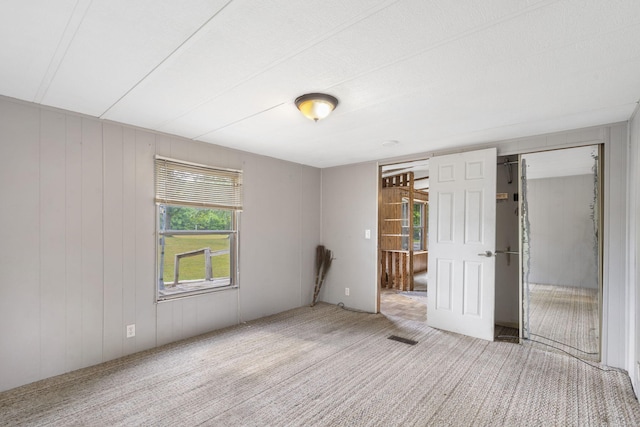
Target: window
x,y
419,225
405,224
197,218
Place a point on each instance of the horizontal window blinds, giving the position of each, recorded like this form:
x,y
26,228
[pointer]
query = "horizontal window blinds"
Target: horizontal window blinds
x,y
183,183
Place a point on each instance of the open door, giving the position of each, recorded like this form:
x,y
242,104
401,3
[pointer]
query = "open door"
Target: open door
x,y
461,273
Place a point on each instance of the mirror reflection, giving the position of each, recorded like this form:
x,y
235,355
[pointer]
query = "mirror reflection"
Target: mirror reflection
x,y
560,235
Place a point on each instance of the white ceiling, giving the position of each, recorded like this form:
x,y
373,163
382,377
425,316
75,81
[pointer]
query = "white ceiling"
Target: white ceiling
x,y
429,74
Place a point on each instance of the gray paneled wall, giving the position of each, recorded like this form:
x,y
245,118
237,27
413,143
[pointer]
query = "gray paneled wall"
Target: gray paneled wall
x,y
348,210
20,252
77,242
349,207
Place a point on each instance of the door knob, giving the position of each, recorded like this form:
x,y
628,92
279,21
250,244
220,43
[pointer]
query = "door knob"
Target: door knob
x,y
488,254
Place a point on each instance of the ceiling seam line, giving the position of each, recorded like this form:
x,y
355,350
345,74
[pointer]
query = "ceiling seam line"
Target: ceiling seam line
x,y
569,44
307,46
436,82
172,53
467,33
49,75
451,39
238,121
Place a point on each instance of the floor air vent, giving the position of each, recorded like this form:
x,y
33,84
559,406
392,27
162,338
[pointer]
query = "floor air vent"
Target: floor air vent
x,y
403,340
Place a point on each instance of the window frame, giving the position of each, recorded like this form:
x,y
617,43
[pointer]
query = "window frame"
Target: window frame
x,y
230,201
407,242
423,207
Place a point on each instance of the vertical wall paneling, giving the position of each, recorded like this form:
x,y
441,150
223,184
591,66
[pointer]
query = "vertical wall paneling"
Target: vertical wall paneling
x,y
199,151
113,241
145,242
189,316
164,323
300,234
225,312
163,145
179,149
206,316
73,242
19,245
347,210
77,242
268,280
291,180
52,242
310,209
92,244
303,249
129,216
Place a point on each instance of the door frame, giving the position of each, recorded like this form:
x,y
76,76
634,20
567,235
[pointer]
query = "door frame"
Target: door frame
x,y
600,236
519,153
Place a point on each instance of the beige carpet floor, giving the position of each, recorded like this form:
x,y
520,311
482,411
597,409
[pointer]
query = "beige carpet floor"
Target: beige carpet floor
x,y
565,318
325,366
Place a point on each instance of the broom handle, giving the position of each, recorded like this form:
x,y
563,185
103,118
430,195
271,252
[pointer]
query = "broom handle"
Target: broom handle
x,y
320,250
326,264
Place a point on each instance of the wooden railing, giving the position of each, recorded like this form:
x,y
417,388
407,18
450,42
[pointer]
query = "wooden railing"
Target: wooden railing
x,y
208,269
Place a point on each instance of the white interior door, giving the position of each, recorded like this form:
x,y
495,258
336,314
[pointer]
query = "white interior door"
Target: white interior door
x,y
462,215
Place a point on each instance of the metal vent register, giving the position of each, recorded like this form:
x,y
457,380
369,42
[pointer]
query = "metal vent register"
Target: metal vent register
x,y
403,340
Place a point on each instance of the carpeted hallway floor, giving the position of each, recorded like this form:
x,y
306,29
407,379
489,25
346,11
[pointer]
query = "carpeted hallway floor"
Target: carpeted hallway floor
x,y
399,304
325,366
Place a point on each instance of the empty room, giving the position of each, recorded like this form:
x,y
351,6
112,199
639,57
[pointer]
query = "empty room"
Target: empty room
x,y
381,212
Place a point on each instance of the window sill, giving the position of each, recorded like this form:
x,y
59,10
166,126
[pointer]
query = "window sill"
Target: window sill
x,y
193,288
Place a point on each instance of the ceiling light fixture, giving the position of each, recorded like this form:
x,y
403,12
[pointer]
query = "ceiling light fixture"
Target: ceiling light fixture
x,y
316,106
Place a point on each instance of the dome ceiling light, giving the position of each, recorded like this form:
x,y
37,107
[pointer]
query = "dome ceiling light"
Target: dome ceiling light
x,y
316,106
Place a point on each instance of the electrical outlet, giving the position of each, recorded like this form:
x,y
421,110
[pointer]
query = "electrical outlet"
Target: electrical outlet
x,y
346,291
131,331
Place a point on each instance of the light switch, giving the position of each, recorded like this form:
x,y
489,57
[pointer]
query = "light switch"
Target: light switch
x,y
367,234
